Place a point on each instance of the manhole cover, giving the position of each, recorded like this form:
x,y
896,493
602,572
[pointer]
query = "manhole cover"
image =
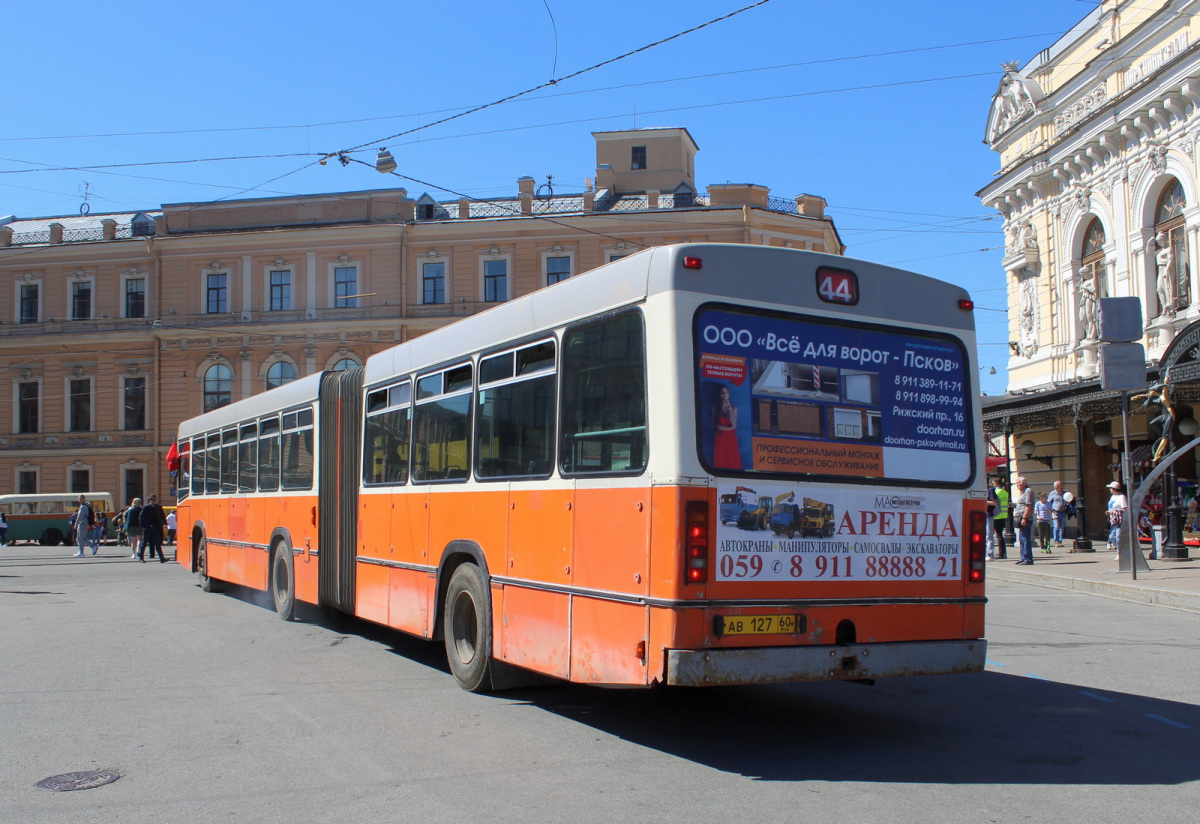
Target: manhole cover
x,y
78,780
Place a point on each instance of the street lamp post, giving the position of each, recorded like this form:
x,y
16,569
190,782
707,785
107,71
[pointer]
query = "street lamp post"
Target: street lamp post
x,y
1175,549
1082,542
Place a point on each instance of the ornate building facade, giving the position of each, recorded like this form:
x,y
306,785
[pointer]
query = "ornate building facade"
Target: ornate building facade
x,y
1099,186
114,328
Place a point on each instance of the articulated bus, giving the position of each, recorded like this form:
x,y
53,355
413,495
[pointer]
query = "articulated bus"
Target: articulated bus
x,y
701,464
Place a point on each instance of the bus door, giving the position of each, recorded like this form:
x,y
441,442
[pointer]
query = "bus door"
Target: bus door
x,y
541,544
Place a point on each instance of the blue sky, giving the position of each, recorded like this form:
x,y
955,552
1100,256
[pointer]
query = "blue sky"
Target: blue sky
x,y
879,107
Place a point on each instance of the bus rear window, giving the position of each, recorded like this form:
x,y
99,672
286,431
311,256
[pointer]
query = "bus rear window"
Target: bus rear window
x,y
785,395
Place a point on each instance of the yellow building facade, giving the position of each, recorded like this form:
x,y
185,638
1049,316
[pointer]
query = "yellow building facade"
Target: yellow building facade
x,y
1099,186
114,328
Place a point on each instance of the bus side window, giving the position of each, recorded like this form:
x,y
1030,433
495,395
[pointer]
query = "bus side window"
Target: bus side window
x,y
212,475
268,454
604,398
514,433
297,460
442,427
386,436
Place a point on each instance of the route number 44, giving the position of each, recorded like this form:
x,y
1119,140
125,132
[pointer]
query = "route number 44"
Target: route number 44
x,y
837,286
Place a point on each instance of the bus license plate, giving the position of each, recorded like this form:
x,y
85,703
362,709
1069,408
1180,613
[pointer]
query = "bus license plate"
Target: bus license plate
x,y
758,624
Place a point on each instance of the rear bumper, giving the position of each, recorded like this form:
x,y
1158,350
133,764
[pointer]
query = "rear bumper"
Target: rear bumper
x,y
769,665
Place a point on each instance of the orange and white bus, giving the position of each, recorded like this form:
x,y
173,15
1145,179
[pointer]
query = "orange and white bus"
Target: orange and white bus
x,y
538,485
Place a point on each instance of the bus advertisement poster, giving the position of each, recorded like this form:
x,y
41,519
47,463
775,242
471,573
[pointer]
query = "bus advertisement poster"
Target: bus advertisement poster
x,y
790,395
769,532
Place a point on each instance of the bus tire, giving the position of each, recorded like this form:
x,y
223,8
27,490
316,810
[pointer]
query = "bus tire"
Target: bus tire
x,y
283,581
206,583
51,537
467,623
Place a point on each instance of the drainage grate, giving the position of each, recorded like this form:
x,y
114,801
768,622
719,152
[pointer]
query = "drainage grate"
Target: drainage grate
x,y
78,780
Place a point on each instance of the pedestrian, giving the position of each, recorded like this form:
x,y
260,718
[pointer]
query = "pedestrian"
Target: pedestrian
x,y
81,525
171,527
1057,499
99,527
153,521
1044,518
998,506
119,523
1116,515
133,526
1023,515
3,530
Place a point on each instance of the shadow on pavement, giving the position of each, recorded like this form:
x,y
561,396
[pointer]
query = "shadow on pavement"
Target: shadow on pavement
x,y
985,728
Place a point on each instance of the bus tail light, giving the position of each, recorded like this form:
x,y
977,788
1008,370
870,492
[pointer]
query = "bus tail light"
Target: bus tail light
x,y
695,555
693,263
976,545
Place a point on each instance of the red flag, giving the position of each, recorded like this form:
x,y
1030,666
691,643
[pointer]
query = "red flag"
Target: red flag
x,y
173,457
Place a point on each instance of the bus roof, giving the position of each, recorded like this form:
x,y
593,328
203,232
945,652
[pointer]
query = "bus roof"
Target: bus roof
x,y
297,393
886,293
742,273
53,496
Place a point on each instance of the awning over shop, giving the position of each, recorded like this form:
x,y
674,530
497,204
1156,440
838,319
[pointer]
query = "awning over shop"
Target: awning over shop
x,y
1142,457
995,461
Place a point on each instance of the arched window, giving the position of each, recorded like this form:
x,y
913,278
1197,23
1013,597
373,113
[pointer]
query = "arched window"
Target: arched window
x,y
1093,254
280,373
218,387
1170,240
344,364
1092,283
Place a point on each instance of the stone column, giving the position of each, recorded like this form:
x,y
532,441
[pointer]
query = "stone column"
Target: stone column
x,y
310,289
247,278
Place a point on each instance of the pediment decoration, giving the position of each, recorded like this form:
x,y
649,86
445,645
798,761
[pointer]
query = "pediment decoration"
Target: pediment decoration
x,y
1016,99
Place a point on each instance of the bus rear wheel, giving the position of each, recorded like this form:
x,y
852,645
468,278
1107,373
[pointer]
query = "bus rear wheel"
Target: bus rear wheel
x,y
283,583
206,583
467,625
51,537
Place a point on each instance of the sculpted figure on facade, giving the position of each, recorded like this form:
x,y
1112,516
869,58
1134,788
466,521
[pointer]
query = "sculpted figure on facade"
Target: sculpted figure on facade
x,y
1016,98
1021,238
1027,320
1087,308
1165,287
1027,237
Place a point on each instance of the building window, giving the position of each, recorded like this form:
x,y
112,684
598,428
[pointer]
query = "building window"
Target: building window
x,y
135,485
81,300
433,282
557,268
638,158
344,364
27,481
29,403
345,286
135,297
216,300
80,405
81,480
281,290
280,373
135,403
1170,240
31,304
495,280
218,387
